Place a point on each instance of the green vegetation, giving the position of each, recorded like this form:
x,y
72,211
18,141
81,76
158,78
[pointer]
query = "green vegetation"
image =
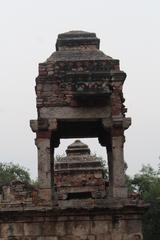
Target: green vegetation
x,y
10,172
146,183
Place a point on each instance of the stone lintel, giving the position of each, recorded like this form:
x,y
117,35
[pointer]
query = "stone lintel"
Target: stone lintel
x,y
75,113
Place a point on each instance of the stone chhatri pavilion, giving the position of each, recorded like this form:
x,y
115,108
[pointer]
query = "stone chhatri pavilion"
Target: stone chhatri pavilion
x,y
79,95
79,175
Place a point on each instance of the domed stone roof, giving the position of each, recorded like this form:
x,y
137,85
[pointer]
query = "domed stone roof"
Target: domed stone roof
x,y
79,174
77,147
77,38
77,45
79,152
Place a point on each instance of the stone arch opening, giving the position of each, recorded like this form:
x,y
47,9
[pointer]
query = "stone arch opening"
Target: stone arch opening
x,y
79,94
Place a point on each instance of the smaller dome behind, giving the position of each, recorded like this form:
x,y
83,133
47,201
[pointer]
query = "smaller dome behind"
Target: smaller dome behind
x,y
79,175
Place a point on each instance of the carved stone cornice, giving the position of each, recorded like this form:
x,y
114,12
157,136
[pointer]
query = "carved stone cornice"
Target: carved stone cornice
x,y
43,124
116,122
121,122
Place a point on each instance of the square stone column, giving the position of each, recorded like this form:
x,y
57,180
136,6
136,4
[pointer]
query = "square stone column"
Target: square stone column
x,y
117,187
44,168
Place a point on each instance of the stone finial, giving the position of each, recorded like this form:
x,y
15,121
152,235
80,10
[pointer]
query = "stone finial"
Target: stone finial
x,y
77,38
78,148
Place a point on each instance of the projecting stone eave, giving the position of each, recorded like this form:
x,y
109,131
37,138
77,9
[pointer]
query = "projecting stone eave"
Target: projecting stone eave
x,y
78,55
77,46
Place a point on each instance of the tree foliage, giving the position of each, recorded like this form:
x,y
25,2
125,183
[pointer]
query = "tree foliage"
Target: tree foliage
x,y
10,172
147,184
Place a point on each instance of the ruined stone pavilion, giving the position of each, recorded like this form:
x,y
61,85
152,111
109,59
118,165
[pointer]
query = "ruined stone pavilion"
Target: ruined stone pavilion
x,y
79,175
79,95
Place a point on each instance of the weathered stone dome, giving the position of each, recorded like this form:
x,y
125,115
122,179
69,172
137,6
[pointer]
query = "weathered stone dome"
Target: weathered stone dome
x,y
78,152
77,38
79,174
77,45
78,148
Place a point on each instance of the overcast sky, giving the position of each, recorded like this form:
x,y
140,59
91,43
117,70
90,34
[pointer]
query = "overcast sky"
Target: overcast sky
x,y
129,31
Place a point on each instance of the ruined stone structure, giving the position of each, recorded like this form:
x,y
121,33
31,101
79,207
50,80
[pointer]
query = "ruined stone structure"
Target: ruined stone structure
x,y
79,94
79,175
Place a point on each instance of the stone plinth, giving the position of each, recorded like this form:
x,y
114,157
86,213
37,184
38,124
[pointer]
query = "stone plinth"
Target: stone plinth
x,y
52,224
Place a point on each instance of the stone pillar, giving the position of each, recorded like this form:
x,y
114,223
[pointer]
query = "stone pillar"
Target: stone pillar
x,y
117,188
45,142
44,168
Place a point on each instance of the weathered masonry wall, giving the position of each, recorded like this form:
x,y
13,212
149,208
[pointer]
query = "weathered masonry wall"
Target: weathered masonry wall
x,y
79,92
52,226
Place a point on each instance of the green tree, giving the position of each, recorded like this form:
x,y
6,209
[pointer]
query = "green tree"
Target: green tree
x,y
147,184
10,172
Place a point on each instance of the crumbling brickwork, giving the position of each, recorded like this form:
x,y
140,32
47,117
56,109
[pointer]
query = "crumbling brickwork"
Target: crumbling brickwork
x,y
79,94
